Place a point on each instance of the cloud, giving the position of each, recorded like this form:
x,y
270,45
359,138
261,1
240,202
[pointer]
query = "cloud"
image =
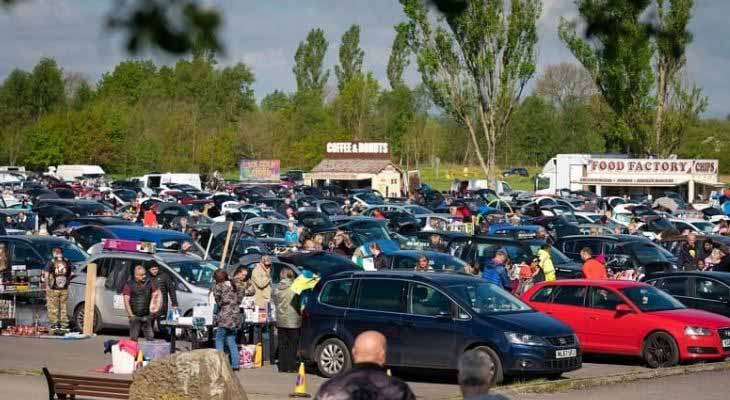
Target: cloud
x,y
265,35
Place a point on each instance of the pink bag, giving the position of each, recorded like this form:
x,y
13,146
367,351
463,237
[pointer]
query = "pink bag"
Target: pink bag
x,y
246,354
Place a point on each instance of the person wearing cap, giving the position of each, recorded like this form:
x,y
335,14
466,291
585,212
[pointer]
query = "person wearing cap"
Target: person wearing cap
x,y
495,272
57,277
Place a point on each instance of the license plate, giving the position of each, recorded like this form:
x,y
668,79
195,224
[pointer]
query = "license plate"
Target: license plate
x,y
725,342
566,353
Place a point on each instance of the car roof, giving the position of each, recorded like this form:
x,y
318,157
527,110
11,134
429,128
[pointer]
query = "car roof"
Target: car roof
x,y
34,238
165,257
610,283
417,253
160,234
444,279
720,276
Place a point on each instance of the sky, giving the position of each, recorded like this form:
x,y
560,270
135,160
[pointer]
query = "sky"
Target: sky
x,y
265,33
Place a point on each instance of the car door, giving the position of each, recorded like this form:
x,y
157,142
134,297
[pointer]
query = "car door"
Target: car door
x,y
678,287
429,327
24,258
608,331
120,271
568,305
711,295
379,305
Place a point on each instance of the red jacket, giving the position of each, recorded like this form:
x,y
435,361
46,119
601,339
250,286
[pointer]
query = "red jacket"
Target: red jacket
x,y
593,269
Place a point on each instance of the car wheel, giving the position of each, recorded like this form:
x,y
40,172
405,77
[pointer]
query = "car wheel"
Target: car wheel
x,y
332,357
79,318
497,371
660,350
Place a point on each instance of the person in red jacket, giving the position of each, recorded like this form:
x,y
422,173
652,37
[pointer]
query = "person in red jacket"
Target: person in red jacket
x,y
592,268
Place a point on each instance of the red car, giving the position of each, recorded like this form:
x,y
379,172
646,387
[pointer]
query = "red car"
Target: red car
x,y
634,319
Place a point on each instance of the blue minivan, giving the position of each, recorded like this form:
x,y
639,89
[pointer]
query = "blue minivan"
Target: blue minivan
x,y
430,319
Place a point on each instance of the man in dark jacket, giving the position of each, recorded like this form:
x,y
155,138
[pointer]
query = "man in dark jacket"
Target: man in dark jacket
x,y
690,253
164,282
141,301
368,378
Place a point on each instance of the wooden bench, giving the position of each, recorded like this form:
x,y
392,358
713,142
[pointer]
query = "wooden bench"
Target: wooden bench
x,y
69,386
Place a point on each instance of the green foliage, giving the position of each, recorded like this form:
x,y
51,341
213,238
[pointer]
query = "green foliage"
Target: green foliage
x,y
399,56
309,63
275,101
356,103
351,56
477,65
46,86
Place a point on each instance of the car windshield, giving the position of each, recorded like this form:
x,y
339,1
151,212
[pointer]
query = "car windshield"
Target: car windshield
x,y
370,198
704,227
417,210
648,253
486,298
325,264
126,195
70,250
370,231
195,272
437,261
649,298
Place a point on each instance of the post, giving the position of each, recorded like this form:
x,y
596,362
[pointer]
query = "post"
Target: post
x,y
89,299
207,248
225,246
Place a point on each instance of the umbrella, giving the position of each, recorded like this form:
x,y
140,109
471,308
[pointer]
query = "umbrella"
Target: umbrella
x,y
666,203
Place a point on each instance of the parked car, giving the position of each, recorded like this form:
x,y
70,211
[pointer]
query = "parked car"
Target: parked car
x,y
192,276
477,250
709,291
621,251
91,236
407,260
518,171
34,252
633,319
430,320
700,226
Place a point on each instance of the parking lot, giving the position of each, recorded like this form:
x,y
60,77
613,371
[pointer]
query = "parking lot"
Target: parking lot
x,y
83,356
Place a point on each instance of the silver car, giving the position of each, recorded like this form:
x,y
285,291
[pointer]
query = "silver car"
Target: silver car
x,y
193,278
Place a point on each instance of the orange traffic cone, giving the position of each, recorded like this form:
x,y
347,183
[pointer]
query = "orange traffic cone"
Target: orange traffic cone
x,y
300,389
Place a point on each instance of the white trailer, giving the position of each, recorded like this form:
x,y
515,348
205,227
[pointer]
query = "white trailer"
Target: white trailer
x,y
70,173
154,181
564,171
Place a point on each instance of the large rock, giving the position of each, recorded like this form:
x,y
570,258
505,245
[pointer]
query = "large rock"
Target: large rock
x,y
200,374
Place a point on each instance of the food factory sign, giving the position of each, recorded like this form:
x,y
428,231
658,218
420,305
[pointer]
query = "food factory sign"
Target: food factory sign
x,y
639,170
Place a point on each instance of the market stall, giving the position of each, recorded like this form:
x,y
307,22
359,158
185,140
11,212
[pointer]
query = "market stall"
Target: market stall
x,y
357,165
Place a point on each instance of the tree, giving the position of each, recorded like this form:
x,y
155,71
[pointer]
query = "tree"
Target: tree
x,y
399,56
618,53
619,61
477,69
275,101
351,56
16,113
565,83
671,45
47,86
356,104
308,63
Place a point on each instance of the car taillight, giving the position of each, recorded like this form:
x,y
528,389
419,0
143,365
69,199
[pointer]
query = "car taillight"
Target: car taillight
x,y
305,315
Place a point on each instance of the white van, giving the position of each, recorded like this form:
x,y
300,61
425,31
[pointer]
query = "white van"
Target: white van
x,y
154,181
69,173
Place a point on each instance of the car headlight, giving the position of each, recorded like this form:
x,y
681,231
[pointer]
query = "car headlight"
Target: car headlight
x,y
527,340
697,331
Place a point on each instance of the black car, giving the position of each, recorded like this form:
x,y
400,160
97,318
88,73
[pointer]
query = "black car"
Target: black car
x,y
34,252
709,291
477,250
622,252
430,319
516,171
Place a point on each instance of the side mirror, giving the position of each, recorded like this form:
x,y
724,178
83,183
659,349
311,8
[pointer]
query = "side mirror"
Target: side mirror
x,y
443,315
623,309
